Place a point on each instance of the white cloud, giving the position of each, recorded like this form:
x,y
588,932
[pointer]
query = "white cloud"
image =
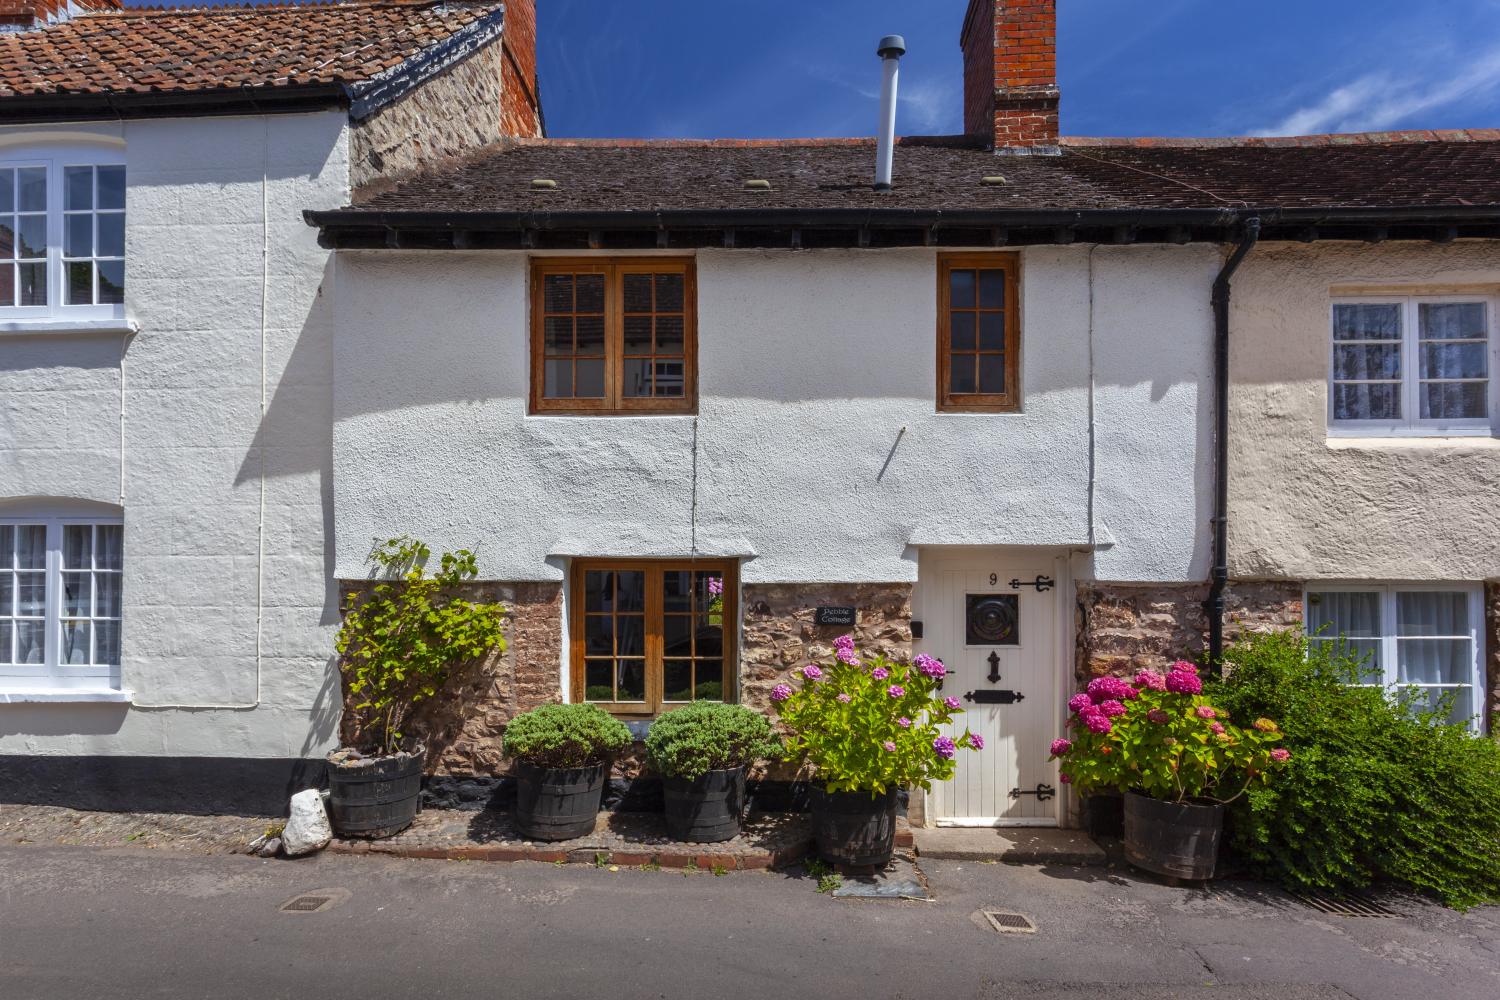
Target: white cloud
x,y
923,106
1384,100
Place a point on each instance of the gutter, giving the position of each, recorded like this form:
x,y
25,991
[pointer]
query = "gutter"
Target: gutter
x,y
227,101
1219,578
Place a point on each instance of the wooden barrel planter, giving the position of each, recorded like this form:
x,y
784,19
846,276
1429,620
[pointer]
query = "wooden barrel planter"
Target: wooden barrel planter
x,y
1175,839
705,810
854,828
558,803
375,797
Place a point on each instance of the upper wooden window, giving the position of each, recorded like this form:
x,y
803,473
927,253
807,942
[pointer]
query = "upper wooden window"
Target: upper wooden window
x,y
612,335
979,332
647,636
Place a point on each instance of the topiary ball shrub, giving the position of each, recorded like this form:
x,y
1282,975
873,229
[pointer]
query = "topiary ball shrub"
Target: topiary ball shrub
x,y
1376,787
563,736
689,742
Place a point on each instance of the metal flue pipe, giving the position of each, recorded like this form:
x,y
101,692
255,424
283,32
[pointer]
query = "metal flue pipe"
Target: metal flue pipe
x,y
892,48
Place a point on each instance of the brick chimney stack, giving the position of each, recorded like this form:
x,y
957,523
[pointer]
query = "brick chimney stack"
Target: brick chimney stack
x,y
1010,74
19,15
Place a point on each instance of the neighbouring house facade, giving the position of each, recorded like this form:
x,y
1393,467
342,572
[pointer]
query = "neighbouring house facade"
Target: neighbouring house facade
x,y
699,408
166,606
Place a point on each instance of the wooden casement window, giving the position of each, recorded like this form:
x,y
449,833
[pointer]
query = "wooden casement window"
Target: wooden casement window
x,y
979,332
646,637
613,336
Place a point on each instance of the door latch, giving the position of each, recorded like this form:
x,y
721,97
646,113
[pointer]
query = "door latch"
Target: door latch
x,y
994,697
1042,791
1041,583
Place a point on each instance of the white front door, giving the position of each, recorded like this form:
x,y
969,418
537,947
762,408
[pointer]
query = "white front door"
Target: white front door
x,y
997,633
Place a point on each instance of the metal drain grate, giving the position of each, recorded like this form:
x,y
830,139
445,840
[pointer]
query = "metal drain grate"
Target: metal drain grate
x,y
306,904
1347,906
1005,922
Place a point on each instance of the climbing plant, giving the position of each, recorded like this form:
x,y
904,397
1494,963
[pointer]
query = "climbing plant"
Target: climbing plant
x,y
402,637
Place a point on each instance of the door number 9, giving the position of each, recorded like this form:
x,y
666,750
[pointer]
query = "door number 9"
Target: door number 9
x,y
994,579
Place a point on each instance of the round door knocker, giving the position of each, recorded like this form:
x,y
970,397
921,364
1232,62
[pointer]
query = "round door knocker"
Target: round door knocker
x,y
992,620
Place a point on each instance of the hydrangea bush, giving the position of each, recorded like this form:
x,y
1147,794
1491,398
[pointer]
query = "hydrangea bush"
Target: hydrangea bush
x,y
1160,736
868,725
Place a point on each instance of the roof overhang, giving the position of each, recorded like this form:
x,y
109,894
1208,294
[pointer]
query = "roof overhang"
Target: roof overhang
x,y
353,228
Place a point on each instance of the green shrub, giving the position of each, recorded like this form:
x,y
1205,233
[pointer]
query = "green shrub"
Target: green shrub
x,y
703,737
565,736
400,640
1377,787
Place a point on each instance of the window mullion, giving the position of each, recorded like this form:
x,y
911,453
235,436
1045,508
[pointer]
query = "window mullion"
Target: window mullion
x,y
614,339
52,637
655,584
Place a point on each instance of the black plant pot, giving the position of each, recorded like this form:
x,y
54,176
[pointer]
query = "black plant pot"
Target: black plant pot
x,y
707,809
558,803
374,797
1176,839
854,828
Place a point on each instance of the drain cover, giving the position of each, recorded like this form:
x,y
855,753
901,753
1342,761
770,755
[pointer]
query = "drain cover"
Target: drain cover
x,y
1006,922
1347,906
306,904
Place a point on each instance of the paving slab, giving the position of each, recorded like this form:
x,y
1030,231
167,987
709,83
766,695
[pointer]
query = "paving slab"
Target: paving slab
x,y
1015,845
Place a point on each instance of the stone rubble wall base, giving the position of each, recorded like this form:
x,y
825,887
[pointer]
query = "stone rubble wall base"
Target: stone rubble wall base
x,y
463,726
1122,628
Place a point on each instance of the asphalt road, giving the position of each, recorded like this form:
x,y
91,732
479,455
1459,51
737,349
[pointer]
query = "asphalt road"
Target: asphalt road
x,y
86,923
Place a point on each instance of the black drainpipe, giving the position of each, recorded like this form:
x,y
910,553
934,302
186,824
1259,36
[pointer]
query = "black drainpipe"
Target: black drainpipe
x,y
1220,577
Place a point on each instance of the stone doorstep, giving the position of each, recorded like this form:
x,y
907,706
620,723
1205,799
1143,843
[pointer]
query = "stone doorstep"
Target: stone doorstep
x,y
1015,845
703,856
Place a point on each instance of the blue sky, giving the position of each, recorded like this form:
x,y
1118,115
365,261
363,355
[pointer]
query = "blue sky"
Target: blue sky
x,y
689,68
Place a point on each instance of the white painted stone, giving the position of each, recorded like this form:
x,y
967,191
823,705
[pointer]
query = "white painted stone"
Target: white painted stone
x,y
307,828
810,366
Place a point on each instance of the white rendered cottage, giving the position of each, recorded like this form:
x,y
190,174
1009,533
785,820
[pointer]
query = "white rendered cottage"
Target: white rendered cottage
x,y
982,414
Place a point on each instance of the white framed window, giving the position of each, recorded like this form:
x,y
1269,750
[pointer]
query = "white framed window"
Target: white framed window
x,y
62,234
60,600
1418,364
1422,635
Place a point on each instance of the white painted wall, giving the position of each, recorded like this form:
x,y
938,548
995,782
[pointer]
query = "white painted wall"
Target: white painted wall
x,y
1304,506
213,433
810,366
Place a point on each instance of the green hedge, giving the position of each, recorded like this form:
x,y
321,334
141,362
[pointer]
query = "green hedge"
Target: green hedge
x,y
1377,787
565,736
695,739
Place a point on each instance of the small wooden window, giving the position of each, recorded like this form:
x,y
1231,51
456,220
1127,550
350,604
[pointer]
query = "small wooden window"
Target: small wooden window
x,y
649,636
979,332
611,335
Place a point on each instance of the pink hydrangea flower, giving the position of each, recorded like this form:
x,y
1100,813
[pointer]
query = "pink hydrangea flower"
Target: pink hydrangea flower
x,y
1281,755
1108,689
880,673
1151,680
896,691
952,704
843,650
929,667
844,642
1079,702
1183,667
812,672
1098,722
904,722
1157,716
1182,682
780,692
1065,779
715,586
1217,728
1113,709
1060,747
976,741
844,698
944,747
889,746
1205,712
